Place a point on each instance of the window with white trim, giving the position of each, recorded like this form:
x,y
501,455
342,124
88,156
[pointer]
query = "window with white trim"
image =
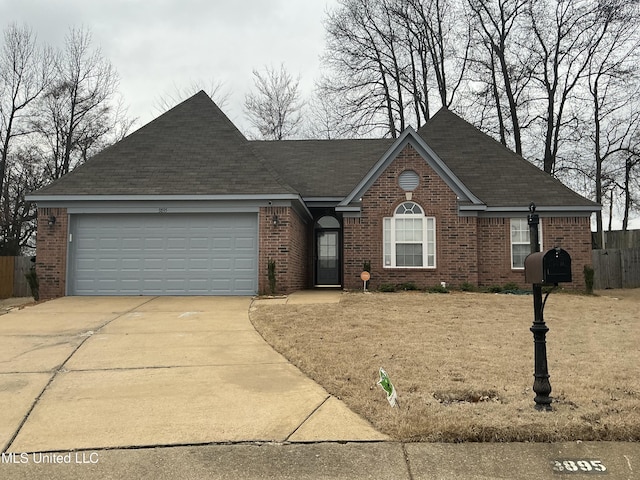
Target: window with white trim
x,y
409,238
520,243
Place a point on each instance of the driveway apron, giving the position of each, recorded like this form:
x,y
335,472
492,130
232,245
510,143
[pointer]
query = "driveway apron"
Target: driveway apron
x,y
108,372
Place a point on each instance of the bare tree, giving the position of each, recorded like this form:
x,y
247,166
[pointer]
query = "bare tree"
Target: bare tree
x,y
275,108
324,118
441,47
24,175
177,94
390,59
611,70
565,35
77,111
368,64
24,74
499,26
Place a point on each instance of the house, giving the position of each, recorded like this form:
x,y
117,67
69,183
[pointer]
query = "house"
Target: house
x,y
187,205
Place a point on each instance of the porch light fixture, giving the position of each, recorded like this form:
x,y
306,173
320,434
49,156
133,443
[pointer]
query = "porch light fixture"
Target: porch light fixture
x,y
275,220
51,220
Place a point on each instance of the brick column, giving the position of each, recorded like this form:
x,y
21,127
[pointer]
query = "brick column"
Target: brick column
x,y
51,252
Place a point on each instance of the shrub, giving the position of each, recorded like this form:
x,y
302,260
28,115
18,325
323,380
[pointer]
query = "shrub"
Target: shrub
x,y
272,276
387,287
467,287
510,287
437,289
34,284
589,274
494,289
407,286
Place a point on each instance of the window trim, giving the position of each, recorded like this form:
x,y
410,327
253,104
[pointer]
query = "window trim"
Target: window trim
x,y
528,242
389,241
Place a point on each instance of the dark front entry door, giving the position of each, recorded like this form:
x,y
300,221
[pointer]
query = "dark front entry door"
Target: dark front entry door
x,y
328,257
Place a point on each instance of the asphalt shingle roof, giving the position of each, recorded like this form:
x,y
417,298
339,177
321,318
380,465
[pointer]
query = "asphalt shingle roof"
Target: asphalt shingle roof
x,y
493,173
193,149
323,168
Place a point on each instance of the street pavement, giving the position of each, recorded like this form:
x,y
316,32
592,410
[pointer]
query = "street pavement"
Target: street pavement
x,y
184,387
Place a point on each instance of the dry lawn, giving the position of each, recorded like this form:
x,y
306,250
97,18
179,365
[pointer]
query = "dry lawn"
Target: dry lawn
x,y
462,363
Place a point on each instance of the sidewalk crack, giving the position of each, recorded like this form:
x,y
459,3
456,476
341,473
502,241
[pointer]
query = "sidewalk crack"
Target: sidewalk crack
x,y
307,418
61,369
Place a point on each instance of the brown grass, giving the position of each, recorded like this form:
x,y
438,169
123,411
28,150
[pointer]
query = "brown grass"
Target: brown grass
x,y
462,363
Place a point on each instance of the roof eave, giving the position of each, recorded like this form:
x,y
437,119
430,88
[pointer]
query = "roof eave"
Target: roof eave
x,y
564,210
91,198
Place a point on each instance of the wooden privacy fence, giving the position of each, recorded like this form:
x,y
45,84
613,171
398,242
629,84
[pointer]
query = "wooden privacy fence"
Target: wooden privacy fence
x,y
615,268
13,283
619,239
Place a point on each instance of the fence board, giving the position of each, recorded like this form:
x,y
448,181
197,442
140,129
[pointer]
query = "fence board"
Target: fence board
x,y
630,266
616,268
607,267
20,284
618,239
6,277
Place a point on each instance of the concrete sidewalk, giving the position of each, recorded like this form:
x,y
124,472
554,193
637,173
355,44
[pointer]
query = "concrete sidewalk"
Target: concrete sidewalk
x,y
349,461
303,297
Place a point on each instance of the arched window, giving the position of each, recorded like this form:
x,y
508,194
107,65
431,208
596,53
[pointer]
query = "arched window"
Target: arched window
x,y
328,222
409,238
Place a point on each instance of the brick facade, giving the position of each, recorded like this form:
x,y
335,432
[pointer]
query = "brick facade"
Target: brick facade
x,y
456,246
494,239
468,249
287,243
574,235
51,256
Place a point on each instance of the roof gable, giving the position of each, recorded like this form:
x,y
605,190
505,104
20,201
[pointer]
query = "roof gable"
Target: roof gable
x,y
410,136
192,149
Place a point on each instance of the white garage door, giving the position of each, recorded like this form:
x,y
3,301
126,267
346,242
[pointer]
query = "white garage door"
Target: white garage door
x,y
163,254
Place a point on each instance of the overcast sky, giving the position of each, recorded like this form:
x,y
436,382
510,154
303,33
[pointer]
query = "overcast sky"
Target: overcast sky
x,y
156,44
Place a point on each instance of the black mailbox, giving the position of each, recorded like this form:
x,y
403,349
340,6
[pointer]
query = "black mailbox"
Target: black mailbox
x,y
548,268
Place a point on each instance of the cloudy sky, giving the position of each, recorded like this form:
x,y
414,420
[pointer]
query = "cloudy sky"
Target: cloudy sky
x,y
156,45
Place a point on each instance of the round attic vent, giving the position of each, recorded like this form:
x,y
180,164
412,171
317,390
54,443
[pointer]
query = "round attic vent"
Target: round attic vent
x,y
408,180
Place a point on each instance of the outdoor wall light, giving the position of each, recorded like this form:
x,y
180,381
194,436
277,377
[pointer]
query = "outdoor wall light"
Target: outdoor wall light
x,y
275,220
51,220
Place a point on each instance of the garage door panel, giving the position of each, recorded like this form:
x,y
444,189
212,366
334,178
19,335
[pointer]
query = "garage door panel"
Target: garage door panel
x,y
243,243
224,243
187,254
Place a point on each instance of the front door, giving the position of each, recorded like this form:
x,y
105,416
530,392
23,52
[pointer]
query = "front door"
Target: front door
x,y
327,257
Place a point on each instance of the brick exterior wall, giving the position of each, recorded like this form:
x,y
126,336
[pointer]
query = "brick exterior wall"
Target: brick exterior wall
x,y
468,249
456,246
288,244
574,235
51,254
494,239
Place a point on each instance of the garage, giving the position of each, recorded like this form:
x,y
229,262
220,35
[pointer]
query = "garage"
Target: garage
x,y
163,254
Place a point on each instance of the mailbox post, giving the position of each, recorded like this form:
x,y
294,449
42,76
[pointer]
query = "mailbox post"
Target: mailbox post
x,y
542,268
541,384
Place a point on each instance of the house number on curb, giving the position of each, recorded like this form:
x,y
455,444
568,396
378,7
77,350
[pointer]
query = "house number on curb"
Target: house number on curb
x,y
163,210
578,466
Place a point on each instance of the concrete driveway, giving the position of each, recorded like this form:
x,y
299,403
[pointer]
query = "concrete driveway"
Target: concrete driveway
x,y
108,372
